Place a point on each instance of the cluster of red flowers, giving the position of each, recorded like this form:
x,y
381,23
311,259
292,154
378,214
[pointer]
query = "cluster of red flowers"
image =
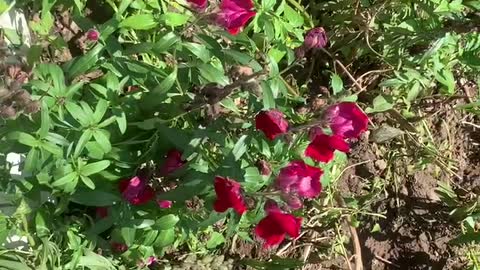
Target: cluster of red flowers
x,y
298,180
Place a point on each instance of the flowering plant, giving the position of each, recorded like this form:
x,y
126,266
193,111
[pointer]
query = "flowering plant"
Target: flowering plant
x,y
175,121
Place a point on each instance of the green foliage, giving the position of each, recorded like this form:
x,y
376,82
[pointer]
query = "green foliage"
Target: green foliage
x,y
137,93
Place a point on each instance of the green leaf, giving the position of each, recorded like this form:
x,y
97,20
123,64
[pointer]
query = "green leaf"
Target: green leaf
x,y
100,110
140,223
94,168
199,50
78,114
164,43
86,136
13,265
128,235
165,238
268,99
102,140
174,19
34,54
31,160
40,225
121,119
24,138
92,260
240,147
66,179
268,4
45,121
380,104
336,83
55,150
212,74
445,77
295,19
385,133
84,63
95,197
215,240
466,238
139,22
88,182
166,84
166,222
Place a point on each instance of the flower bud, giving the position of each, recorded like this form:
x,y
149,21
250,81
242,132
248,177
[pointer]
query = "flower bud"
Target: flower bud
x,y
7,112
292,201
4,93
32,107
316,38
22,97
300,52
93,35
264,167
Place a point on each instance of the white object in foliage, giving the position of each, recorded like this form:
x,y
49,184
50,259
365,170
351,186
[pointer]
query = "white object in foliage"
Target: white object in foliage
x,y
15,20
15,160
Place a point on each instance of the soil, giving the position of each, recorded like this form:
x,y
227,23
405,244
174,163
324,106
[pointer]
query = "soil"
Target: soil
x,y
417,229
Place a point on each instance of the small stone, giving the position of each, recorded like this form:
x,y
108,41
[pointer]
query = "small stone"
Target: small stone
x,y
207,259
219,259
380,164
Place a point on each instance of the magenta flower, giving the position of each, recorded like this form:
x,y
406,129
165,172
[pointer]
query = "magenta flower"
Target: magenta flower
x,y
229,195
323,147
273,228
346,119
136,191
172,163
235,14
272,123
316,38
198,4
93,35
300,178
164,204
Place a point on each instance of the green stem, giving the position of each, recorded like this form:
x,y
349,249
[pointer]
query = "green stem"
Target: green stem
x,y
31,241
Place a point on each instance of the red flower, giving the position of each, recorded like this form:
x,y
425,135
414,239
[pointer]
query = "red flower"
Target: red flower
x,y
315,38
272,123
172,163
235,14
119,247
228,196
198,4
347,119
102,212
323,147
300,178
273,228
136,191
93,35
164,204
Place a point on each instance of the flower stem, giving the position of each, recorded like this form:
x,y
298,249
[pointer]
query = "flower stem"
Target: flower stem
x,y
273,193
